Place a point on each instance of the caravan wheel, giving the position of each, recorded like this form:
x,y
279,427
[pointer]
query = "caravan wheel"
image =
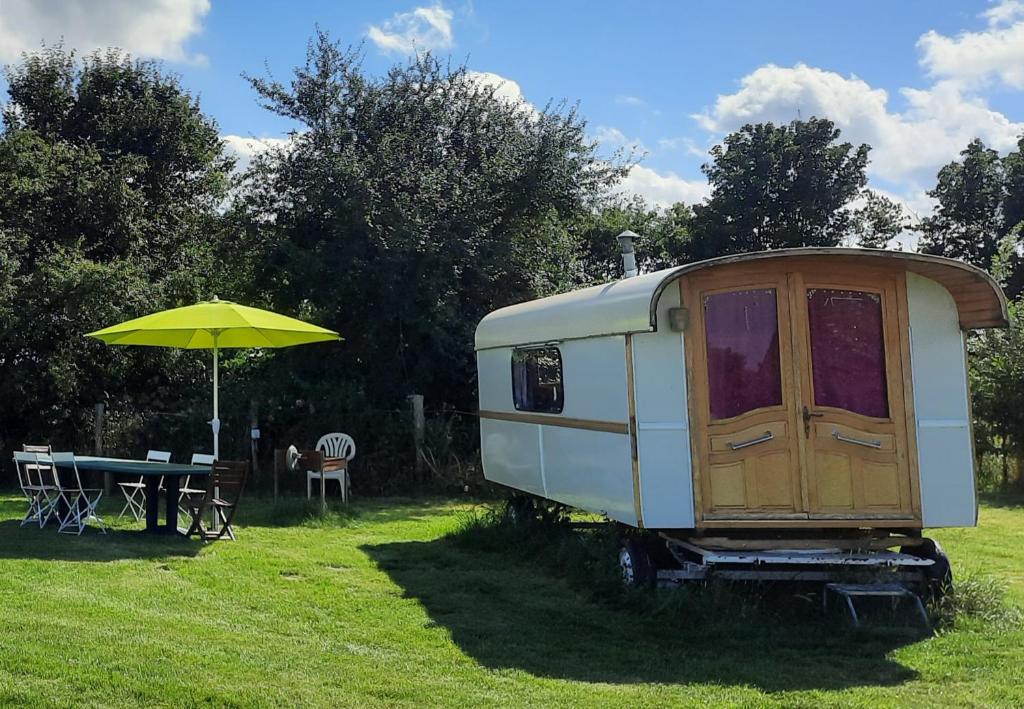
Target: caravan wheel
x,y
636,564
940,574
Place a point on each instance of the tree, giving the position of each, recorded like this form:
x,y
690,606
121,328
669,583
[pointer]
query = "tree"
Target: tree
x,y
878,221
404,208
664,239
778,186
980,204
110,180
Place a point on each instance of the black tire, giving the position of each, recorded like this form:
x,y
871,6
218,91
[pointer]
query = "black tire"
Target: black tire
x,y
637,566
522,510
938,576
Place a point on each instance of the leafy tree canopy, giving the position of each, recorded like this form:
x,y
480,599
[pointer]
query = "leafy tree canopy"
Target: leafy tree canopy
x,y
776,186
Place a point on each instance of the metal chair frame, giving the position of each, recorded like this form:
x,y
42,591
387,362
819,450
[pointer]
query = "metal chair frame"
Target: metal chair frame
x,y
81,501
135,491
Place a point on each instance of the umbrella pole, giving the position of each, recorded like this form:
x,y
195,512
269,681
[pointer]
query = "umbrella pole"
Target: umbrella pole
x,y
215,423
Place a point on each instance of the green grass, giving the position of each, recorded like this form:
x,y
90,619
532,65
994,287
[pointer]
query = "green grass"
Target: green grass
x,y
380,604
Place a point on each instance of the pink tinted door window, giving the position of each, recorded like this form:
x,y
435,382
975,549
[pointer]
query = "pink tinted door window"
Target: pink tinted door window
x,y
742,335
848,351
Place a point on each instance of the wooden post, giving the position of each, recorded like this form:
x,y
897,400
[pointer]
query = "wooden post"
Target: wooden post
x,y
97,444
253,440
419,425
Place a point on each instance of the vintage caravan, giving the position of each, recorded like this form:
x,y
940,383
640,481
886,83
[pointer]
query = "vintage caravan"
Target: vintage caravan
x,y
800,399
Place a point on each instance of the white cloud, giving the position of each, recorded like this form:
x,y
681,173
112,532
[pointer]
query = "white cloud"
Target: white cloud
x,y
974,57
907,146
150,28
689,146
663,190
424,28
614,139
630,101
505,89
245,149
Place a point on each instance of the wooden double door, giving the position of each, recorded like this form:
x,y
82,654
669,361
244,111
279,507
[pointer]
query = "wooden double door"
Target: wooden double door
x,y
799,394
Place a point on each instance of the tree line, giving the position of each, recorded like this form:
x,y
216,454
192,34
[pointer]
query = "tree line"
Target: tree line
x,y
401,210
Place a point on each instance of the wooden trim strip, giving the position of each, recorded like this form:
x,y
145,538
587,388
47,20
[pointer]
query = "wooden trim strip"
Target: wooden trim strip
x,y
559,421
634,444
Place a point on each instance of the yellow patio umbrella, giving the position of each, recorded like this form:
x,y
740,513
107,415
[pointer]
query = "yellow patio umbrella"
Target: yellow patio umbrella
x,y
214,325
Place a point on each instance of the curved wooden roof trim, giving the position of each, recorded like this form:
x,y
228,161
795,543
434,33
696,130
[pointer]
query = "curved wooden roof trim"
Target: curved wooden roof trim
x,y
631,304
980,301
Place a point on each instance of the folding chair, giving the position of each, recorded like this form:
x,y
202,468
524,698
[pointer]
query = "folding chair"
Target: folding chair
x,y
135,491
222,495
80,501
39,475
197,459
31,490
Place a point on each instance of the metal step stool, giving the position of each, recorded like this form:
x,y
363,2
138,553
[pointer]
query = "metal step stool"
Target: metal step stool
x,y
850,591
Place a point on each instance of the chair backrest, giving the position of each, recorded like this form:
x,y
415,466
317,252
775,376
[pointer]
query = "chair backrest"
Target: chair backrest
x,y
202,459
311,461
337,445
227,479
29,448
65,460
22,461
158,457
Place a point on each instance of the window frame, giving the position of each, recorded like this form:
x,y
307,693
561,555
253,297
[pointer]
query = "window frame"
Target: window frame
x,y
526,351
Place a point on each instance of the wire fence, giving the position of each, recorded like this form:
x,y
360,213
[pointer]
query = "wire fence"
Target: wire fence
x,y
386,463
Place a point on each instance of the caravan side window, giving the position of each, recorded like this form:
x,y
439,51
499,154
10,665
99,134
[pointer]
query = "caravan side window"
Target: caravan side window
x,y
537,380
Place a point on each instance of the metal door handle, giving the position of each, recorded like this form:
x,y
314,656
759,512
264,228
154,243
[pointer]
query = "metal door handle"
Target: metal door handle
x,y
856,441
768,435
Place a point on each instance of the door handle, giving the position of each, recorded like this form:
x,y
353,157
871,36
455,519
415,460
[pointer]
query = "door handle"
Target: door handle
x,y
808,415
767,436
856,441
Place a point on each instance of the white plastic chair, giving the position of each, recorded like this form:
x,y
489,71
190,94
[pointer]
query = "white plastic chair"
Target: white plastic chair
x,y
135,491
332,445
81,502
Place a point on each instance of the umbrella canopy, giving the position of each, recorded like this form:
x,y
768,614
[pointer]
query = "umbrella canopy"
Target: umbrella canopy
x,y
214,325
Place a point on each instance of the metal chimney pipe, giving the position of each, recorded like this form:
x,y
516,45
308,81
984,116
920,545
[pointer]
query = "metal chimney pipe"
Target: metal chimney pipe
x,y
625,240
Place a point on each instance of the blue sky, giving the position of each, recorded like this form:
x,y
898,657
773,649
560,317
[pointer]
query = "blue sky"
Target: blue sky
x,y
915,79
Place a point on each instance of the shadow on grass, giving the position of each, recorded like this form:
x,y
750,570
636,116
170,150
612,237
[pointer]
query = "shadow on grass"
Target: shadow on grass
x,y
508,613
31,542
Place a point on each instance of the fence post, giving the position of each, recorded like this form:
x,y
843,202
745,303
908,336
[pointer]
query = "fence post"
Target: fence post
x,y
419,425
97,444
253,440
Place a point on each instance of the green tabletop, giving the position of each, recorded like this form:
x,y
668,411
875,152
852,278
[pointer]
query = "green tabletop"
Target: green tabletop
x,y
135,467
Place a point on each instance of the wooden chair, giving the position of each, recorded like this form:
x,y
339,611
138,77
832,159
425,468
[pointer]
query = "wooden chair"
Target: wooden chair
x,y
223,493
337,450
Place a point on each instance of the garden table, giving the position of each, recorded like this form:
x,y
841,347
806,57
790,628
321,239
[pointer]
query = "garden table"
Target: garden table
x,y
151,472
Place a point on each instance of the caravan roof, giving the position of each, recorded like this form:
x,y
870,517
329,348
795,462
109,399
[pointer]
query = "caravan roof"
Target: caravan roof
x,y
630,305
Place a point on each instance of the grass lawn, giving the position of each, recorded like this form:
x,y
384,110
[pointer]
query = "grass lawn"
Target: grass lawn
x,y
378,607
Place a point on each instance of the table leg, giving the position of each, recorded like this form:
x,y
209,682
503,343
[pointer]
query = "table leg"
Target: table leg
x,y
152,503
171,483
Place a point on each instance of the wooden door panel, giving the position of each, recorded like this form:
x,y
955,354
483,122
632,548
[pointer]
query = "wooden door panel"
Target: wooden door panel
x,y
834,482
727,487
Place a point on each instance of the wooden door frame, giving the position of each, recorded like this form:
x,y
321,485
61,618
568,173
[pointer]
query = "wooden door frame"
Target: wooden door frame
x,y
747,276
